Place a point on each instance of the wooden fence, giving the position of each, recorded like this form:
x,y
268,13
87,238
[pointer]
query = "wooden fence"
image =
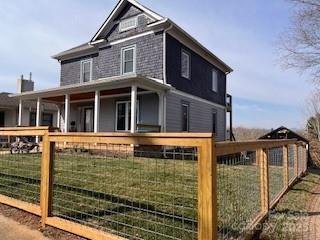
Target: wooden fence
x,y
205,154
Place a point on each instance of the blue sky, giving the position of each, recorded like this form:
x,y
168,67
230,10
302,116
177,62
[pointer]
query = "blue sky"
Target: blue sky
x,y
242,33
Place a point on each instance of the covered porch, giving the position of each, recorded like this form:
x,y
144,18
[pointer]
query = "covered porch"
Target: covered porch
x,y
119,104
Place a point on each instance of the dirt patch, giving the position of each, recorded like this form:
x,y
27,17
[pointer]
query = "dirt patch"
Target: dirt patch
x,y
33,222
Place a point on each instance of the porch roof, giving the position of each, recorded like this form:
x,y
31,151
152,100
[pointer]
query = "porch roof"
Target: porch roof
x,y
100,84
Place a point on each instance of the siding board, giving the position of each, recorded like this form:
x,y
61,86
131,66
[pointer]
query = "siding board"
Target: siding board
x,y
200,118
200,83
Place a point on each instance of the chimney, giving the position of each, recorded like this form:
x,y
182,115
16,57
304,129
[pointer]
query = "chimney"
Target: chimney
x,y
24,85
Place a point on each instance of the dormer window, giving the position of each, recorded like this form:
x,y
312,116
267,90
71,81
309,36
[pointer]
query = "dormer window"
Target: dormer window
x,y
128,24
86,70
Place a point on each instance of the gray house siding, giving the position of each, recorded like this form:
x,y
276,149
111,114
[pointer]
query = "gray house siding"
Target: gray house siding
x,y
200,83
200,116
130,11
149,60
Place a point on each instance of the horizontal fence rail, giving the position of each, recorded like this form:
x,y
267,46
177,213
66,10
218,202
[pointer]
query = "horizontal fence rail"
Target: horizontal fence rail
x,y
146,186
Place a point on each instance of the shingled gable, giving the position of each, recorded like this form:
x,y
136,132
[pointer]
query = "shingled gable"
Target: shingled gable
x,y
108,24
157,22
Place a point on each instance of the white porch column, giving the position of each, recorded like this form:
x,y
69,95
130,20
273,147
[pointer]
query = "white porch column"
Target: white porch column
x,y
38,116
66,112
133,108
20,113
97,111
161,111
58,117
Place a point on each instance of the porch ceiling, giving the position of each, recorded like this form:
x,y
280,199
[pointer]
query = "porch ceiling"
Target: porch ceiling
x,y
107,86
90,95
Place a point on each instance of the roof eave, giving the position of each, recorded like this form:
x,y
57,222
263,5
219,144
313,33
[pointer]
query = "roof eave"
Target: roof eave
x,y
81,87
167,21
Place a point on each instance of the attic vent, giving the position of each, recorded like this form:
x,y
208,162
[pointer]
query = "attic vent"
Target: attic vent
x,y
128,24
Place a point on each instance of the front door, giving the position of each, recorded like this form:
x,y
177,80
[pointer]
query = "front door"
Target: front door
x,y
88,119
2,117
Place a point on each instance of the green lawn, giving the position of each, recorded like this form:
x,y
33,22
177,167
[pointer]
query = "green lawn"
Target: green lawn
x,y
137,198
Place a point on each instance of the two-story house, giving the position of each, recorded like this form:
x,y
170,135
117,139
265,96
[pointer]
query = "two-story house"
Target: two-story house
x,y
139,72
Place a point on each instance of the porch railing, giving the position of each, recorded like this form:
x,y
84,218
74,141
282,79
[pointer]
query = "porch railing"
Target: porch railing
x,y
147,186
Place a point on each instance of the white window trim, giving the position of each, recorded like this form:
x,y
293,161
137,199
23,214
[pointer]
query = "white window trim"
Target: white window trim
x,y
184,52
132,47
188,116
127,125
121,29
217,79
81,69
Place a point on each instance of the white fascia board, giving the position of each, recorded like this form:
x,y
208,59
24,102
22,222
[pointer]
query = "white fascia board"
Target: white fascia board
x,y
196,98
114,11
146,10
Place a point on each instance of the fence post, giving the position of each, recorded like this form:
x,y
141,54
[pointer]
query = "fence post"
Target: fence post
x,y
305,158
264,179
207,191
285,166
46,178
295,157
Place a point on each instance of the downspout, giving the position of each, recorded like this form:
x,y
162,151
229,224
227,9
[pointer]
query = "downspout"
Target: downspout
x,y
164,67
165,52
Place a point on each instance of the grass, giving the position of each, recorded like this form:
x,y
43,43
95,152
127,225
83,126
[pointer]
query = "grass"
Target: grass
x,y
137,198
290,207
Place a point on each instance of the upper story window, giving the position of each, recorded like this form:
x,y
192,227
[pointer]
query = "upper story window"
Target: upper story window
x,y
128,24
185,64
86,70
214,80
128,60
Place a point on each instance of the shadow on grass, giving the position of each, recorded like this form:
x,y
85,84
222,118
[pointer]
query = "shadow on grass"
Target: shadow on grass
x,y
129,205
296,213
304,190
314,170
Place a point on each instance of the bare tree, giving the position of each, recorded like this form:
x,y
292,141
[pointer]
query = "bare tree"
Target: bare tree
x,y
300,45
314,111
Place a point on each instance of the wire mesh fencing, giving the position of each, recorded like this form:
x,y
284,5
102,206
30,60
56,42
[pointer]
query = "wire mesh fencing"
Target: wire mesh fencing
x,y
291,162
275,169
238,193
20,168
135,192
146,186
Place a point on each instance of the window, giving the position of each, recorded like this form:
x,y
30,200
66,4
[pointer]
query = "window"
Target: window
x,y
214,80
88,119
47,119
185,117
214,122
185,64
32,120
128,24
128,60
86,70
123,115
